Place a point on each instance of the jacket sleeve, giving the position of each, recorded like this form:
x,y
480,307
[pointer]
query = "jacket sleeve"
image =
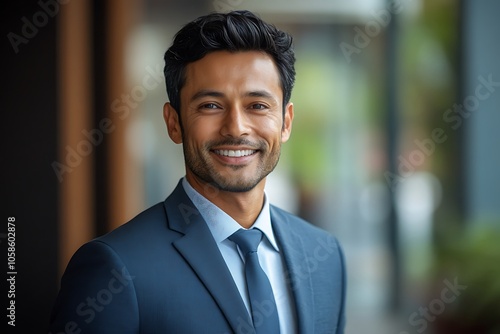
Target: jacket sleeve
x,y
97,294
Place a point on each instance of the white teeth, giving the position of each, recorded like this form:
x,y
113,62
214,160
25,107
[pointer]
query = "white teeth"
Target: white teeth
x,y
234,153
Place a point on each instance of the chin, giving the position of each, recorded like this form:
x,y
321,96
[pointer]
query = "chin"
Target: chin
x,y
235,183
238,187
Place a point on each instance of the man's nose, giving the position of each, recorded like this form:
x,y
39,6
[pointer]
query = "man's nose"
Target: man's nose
x,y
235,123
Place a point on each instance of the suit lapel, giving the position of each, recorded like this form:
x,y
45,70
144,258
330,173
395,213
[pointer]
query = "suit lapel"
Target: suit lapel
x,y
199,249
298,275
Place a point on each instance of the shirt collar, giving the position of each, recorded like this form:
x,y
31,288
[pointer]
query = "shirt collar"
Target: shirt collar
x,y
221,225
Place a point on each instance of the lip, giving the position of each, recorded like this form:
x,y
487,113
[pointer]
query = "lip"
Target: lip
x,y
242,160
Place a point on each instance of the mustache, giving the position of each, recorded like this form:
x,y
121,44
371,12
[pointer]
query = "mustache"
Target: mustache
x,y
260,145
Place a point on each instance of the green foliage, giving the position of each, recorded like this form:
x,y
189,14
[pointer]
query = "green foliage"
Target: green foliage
x,y
474,257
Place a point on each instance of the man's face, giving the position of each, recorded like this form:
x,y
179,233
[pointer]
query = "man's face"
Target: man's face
x,y
232,120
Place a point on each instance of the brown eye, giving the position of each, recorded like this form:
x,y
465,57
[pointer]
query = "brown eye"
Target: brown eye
x,y
259,106
210,106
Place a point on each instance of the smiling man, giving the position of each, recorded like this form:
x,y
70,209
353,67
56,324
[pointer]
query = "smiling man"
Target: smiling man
x,y
216,256
233,123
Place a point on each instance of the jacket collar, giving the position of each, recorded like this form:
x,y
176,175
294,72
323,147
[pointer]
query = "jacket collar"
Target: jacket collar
x,y
199,249
298,276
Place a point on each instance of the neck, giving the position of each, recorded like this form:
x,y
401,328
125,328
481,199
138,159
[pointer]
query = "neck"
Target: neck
x,y
243,207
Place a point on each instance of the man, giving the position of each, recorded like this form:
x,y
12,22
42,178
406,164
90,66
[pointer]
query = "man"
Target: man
x,y
187,265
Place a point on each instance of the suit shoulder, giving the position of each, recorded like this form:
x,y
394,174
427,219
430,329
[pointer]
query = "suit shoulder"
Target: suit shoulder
x,y
147,225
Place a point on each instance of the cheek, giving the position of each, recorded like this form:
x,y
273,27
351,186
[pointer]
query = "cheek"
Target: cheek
x,y
200,131
270,130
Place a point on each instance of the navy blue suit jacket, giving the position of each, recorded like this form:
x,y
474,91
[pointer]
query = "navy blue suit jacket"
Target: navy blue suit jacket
x,y
162,272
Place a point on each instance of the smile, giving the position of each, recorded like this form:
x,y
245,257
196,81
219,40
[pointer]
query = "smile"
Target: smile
x,y
235,153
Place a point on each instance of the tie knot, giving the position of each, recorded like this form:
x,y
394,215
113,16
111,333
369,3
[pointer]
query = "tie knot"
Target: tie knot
x,y
247,240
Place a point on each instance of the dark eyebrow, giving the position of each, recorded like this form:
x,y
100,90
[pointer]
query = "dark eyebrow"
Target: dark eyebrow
x,y
205,93
261,93
212,93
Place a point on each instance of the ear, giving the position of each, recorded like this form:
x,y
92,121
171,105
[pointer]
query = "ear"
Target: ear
x,y
171,118
286,131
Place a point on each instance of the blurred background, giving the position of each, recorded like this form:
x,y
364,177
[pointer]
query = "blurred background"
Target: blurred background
x,y
395,144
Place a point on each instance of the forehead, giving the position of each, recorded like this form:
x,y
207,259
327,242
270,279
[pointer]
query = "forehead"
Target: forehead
x,y
232,72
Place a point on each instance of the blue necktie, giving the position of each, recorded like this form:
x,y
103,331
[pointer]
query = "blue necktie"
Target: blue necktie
x,y
262,303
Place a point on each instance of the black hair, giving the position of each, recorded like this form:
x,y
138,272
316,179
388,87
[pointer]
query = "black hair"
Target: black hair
x,y
234,31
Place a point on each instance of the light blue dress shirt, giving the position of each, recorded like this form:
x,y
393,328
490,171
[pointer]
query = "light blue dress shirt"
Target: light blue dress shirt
x,y
221,226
